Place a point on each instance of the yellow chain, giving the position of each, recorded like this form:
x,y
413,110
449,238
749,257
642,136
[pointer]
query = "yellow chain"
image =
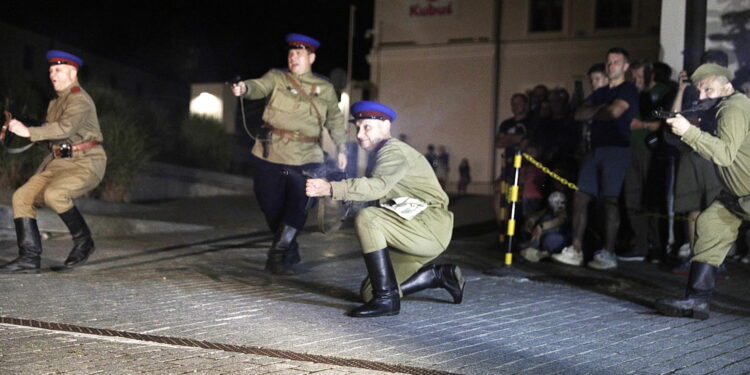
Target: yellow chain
x,y
571,185
549,172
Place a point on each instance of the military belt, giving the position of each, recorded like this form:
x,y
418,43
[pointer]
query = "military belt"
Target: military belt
x,y
66,150
294,135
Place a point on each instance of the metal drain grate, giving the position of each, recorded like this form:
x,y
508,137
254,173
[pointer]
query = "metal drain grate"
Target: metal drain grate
x,y
276,353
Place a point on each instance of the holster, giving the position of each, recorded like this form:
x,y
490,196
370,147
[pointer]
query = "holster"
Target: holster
x,y
264,137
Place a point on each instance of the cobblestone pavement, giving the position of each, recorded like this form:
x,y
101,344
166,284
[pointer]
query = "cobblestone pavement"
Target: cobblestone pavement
x,y
210,286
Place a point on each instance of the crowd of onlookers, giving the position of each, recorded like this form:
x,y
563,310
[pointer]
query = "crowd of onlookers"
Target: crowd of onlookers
x,y
664,187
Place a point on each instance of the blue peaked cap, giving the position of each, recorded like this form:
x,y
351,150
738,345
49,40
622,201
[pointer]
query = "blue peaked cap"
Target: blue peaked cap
x,y
369,109
302,41
61,57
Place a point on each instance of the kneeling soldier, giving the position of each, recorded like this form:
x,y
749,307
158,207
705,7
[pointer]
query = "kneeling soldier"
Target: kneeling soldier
x,y
409,226
74,166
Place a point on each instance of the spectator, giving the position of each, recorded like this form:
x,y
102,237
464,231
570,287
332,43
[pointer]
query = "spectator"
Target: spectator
x,y
510,135
431,156
645,229
598,78
539,108
532,181
464,172
549,229
611,108
442,167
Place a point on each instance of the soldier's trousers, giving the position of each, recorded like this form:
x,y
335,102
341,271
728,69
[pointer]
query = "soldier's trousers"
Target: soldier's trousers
x,y
280,191
55,187
410,244
717,230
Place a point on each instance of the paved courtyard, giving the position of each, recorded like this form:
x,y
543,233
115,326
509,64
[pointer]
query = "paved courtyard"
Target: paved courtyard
x,y
199,302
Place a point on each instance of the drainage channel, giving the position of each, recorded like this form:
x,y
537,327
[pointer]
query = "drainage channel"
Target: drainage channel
x,y
276,353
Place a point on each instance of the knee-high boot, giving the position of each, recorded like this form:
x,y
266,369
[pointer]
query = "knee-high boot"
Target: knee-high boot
x,y
29,248
385,299
446,276
280,255
83,244
701,284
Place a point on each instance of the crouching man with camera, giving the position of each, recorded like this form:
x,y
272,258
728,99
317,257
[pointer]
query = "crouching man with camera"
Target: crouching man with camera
x,y
729,150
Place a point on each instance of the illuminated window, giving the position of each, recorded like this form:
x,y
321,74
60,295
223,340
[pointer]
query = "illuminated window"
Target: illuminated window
x,y
207,105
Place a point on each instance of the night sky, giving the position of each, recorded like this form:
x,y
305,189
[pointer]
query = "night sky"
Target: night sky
x,y
201,41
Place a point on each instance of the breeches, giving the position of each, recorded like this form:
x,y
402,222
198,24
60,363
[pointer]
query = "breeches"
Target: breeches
x,y
280,190
410,243
54,187
717,230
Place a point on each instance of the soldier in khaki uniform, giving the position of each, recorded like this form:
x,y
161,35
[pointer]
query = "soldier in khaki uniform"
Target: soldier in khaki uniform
x,y
300,105
74,166
409,226
729,150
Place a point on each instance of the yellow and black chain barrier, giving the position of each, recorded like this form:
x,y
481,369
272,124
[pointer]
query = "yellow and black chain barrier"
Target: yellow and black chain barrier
x,y
573,186
546,170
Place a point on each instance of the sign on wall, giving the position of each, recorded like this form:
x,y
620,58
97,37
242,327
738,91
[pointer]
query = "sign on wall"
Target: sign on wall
x,y
431,8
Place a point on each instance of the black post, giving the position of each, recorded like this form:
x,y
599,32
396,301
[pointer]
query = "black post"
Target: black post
x,y
695,34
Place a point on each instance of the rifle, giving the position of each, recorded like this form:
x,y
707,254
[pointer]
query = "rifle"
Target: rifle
x,y
702,106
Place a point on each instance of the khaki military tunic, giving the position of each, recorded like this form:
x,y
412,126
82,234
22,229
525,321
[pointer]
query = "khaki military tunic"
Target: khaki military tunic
x,y
71,118
717,226
290,110
400,171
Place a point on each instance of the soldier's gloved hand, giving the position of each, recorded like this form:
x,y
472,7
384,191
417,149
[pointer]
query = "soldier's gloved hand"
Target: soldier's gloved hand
x,y
318,187
239,88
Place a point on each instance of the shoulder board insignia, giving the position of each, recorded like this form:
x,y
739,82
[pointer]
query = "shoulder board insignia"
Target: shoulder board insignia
x,y
75,90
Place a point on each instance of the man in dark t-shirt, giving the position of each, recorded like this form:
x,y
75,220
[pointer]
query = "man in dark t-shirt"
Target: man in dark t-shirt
x,y
611,109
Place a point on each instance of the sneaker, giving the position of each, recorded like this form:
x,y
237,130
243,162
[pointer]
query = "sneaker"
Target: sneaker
x,y
533,255
568,256
603,260
684,251
745,259
631,255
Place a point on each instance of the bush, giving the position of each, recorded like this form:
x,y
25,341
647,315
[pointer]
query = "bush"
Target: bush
x,y
127,154
204,144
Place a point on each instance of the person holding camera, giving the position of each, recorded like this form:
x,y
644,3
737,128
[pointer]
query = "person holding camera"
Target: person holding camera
x,y
74,167
729,150
300,106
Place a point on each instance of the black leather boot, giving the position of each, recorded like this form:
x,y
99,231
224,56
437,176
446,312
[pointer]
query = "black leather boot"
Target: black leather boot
x,y
701,283
29,248
277,262
446,276
385,299
292,254
83,244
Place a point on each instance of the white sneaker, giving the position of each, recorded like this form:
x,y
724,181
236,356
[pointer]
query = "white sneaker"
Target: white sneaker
x,y
684,251
533,255
569,256
603,260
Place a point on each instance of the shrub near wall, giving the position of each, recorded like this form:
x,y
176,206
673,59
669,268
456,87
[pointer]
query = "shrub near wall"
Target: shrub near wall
x,y
204,144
